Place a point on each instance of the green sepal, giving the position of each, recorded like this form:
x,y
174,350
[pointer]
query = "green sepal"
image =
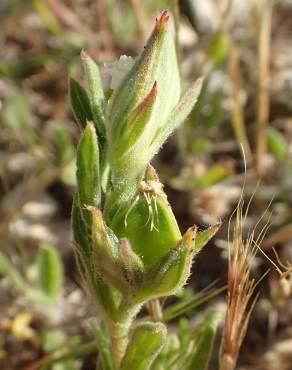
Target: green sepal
x,y
203,237
204,336
104,240
80,103
96,96
105,248
115,260
172,271
131,265
177,116
145,344
88,172
150,240
50,271
104,295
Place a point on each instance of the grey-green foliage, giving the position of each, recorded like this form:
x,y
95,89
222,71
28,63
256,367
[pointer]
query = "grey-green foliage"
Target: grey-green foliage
x,y
50,271
45,286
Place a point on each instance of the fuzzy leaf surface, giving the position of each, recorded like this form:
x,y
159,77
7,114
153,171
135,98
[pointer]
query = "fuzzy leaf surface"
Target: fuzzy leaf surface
x,y
96,95
80,103
145,344
88,173
204,339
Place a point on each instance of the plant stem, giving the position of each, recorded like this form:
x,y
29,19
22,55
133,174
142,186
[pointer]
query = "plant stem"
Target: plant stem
x,y
227,362
119,334
237,112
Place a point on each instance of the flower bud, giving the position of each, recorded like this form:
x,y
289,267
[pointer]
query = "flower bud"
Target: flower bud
x,y
154,73
148,223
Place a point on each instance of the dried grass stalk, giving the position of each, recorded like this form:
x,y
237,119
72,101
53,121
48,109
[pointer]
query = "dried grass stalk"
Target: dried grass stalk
x,y
240,288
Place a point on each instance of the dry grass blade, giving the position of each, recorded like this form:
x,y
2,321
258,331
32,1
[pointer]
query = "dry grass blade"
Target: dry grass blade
x,y
264,51
240,288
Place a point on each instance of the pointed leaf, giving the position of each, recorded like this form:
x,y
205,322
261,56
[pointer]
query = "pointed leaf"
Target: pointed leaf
x,y
88,174
204,338
50,271
103,294
96,95
131,264
144,346
178,115
80,103
171,273
203,237
105,252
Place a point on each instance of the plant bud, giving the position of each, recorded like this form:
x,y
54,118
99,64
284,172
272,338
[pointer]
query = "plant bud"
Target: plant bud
x,y
148,223
155,70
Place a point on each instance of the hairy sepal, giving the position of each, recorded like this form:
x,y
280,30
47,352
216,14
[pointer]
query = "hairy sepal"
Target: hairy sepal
x,y
171,272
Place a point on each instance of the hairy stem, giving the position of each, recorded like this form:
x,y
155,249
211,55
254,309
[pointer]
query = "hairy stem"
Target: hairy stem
x,y
119,334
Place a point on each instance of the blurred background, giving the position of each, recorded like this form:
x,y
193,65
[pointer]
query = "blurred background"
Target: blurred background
x,y
243,119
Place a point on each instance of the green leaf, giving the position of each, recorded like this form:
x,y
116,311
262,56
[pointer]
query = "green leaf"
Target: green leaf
x,y
50,271
105,355
145,344
177,115
213,175
182,308
96,95
48,17
204,338
88,174
103,294
172,271
80,103
277,144
203,237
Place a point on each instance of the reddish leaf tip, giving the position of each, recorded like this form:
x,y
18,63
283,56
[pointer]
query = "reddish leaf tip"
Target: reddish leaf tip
x,y
148,99
162,19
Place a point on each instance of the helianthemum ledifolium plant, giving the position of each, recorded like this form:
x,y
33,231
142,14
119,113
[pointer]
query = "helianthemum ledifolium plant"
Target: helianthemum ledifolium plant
x,y
128,245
